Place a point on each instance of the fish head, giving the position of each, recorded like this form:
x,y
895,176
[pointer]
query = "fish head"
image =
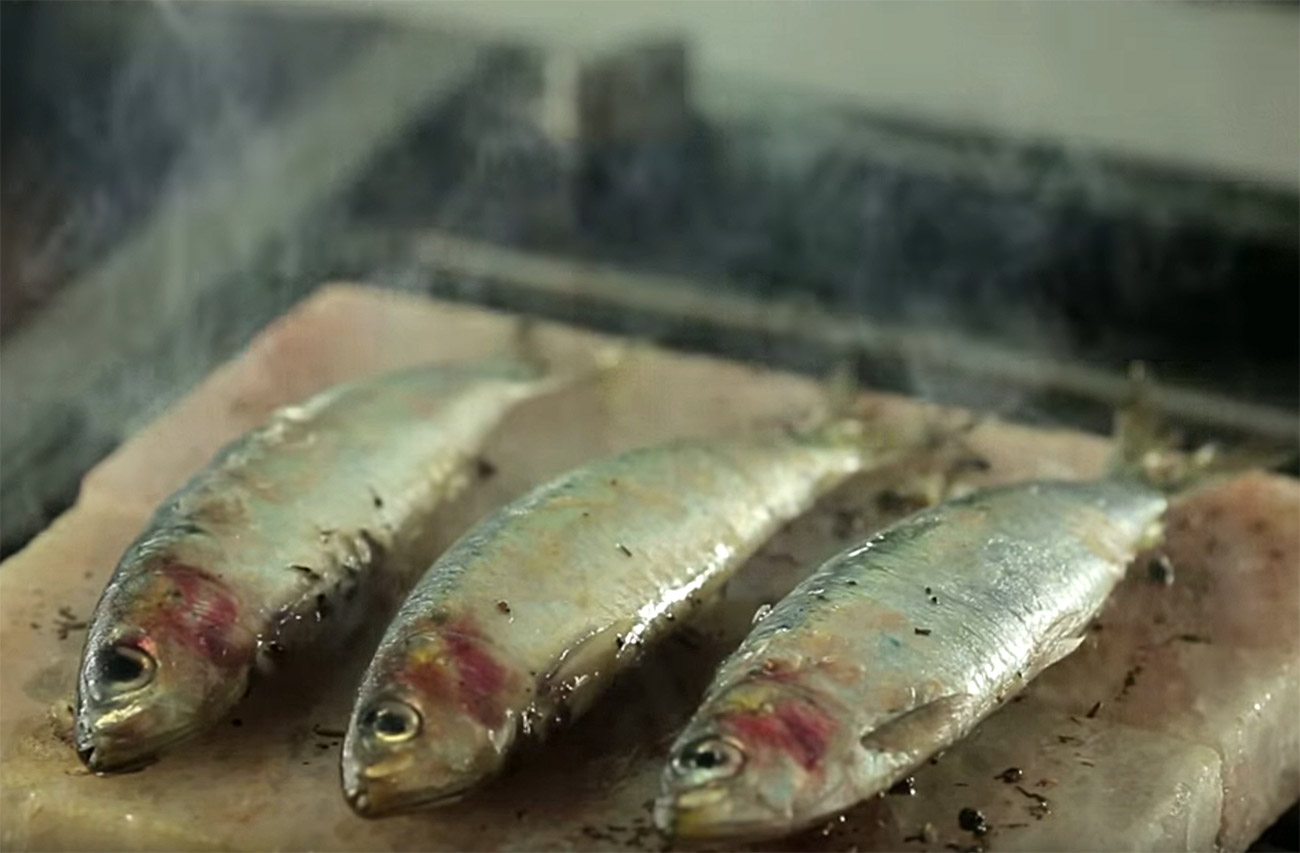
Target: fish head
x,y
759,760
166,657
430,722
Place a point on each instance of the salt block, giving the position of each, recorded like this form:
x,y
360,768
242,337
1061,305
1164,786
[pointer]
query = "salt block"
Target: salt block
x,y
1158,776
1212,655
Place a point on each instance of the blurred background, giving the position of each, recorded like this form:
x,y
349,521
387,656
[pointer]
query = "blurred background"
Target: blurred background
x,y
993,204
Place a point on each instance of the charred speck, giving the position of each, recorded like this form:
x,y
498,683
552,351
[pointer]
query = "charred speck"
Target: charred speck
x,y
1011,775
1067,739
321,731
1160,570
926,834
618,641
1041,807
1092,712
67,623
905,787
627,552
484,468
934,599
843,523
972,820
851,582
376,499
1130,679
894,502
306,571
323,608
924,632
977,464
614,481
928,590
236,722
504,606
820,596
1193,638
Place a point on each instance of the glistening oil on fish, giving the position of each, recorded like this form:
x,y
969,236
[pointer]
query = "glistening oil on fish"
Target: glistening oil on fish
x,y
286,539
897,647
592,568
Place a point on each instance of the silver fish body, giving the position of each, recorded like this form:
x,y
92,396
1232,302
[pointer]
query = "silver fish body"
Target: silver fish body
x,y
895,649
522,623
287,536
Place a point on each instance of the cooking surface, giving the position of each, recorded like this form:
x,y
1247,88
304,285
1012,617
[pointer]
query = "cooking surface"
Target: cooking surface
x,y
1173,726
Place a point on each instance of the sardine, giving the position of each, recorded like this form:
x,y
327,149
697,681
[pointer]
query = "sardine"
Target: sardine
x,y
521,623
287,536
895,649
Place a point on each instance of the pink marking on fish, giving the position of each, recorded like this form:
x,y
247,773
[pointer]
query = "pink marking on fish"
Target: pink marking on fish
x,y
200,613
793,726
469,674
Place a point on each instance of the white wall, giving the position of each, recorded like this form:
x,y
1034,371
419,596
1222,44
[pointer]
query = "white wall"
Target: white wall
x,y
1209,86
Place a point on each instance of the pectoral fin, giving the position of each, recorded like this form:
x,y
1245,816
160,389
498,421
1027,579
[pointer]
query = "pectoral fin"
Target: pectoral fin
x,y
569,688
926,728
1059,649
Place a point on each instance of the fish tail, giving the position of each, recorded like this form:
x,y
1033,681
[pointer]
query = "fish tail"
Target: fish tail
x,y
882,438
558,370
526,347
1148,449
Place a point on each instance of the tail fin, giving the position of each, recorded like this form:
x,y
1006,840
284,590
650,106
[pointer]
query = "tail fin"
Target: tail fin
x,y
557,370
1147,449
882,440
525,346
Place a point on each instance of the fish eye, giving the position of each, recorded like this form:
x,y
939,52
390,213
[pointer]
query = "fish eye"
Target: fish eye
x,y
391,721
713,757
125,668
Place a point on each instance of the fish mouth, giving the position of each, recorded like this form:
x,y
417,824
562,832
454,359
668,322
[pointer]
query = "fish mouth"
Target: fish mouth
x,y
368,806
93,758
677,817
105,754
